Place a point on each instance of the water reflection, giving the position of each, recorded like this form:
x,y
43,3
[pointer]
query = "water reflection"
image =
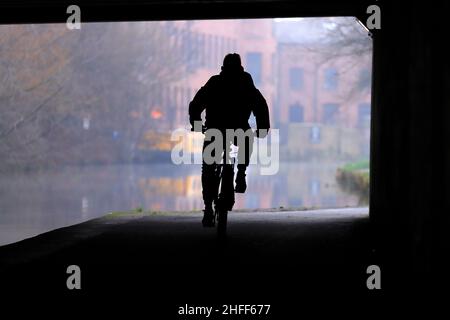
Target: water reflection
x,y
32,203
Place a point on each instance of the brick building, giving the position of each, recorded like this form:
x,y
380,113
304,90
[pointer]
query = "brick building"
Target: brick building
x,y
315,99
323,101
204,44
329,92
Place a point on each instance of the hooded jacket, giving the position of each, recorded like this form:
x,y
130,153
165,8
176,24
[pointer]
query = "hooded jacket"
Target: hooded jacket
x,y
229,98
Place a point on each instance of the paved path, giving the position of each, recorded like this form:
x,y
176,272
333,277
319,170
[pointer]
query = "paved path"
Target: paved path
x,y
172,256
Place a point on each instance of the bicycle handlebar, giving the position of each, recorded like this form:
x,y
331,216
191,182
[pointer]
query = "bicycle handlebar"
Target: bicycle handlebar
x,y
204,130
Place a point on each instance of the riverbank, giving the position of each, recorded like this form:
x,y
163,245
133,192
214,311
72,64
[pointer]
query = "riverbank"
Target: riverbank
x,y
355,178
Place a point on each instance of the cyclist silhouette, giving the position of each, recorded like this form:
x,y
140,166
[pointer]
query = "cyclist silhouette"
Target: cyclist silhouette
x,y
228,100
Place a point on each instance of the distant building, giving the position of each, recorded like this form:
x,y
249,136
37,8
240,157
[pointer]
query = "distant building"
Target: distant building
x,y
317,91
319,101
323,106
206,42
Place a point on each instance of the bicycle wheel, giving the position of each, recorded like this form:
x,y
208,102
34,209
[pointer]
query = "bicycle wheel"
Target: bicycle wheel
x,y
222,217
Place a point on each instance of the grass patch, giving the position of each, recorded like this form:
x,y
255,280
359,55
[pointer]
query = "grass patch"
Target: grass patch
x,y
359,165
142,213
355,178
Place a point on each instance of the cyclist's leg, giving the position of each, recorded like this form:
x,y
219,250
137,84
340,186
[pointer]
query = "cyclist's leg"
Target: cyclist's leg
x,y
227,188
244,154
209,188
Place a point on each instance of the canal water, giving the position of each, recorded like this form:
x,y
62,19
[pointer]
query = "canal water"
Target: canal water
x,y
36,202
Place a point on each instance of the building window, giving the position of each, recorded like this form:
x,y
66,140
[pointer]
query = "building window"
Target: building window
x,y
254,66
364,114
209,51
202,51
184,45
314,134
296,113
296,78
217,55
274,67
331,79
330,113
197,50
190,59
223,47
220,47
364,80
215,50
314,187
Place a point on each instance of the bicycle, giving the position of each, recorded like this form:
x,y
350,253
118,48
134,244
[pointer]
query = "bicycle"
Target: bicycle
x,y
223,188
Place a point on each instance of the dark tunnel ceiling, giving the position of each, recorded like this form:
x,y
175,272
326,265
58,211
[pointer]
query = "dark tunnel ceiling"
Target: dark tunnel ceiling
x,y
41,11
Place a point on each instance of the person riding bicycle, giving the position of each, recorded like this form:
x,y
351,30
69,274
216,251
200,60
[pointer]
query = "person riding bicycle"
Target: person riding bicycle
x,y
228,100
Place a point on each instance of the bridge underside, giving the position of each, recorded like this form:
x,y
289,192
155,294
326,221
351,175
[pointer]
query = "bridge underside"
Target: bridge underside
x,y
409,201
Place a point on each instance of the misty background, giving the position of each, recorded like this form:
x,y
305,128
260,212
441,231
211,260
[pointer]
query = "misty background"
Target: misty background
x,y
86,115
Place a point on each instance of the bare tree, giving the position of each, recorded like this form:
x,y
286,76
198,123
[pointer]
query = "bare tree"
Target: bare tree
x,y
55,82
31,81
344,39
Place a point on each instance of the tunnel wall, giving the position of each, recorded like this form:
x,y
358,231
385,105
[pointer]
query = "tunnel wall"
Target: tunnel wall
x,y
409,148
409,201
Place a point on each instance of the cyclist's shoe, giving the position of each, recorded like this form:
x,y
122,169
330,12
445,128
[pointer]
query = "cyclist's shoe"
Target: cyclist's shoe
x,y
241,184
208,218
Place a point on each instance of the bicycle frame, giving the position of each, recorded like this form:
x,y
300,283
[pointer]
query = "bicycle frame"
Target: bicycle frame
x,y
224,199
